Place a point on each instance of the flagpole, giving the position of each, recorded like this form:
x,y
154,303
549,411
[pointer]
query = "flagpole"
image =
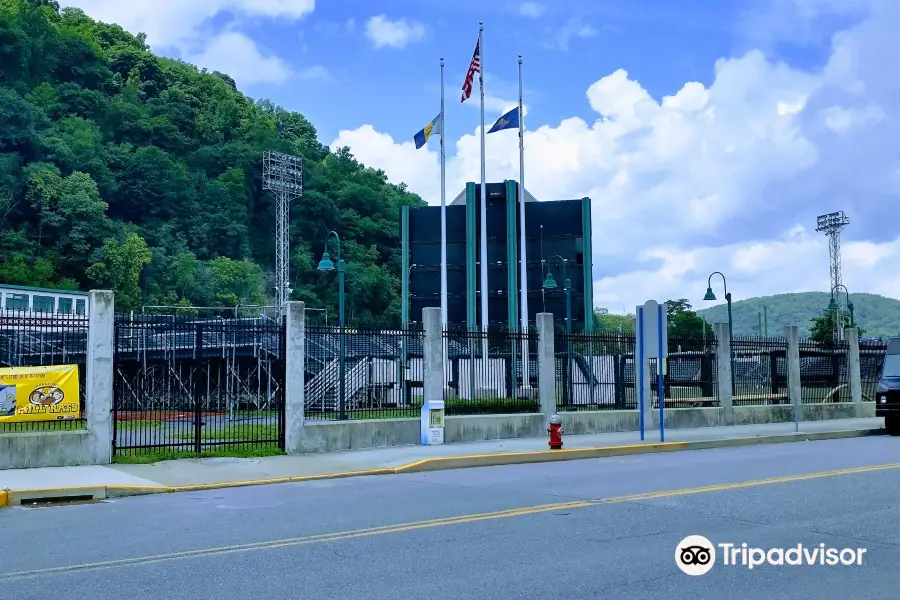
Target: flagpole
x,y
444,292
484,240
526,379
443,210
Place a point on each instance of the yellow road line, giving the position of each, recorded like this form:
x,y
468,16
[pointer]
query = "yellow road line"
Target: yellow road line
x,y
724,487
299,541
442,522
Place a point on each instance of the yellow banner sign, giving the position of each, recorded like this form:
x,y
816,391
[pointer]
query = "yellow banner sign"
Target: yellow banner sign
x,y
39,393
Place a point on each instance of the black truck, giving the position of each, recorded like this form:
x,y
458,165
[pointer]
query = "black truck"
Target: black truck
x,y
887,392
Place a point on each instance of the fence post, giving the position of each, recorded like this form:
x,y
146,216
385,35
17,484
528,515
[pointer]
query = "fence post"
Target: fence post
x,y
546,365
101,345
851,334
433,359
724,376
795,387
294,377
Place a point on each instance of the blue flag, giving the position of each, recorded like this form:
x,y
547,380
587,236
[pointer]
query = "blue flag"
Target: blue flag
x,y
429,130
507,121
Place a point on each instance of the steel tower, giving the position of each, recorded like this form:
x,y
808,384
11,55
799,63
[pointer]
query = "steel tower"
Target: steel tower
x,y
283,177
831,225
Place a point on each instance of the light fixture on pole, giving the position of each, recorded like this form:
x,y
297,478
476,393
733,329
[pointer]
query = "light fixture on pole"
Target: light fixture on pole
x,y
710,296
326,264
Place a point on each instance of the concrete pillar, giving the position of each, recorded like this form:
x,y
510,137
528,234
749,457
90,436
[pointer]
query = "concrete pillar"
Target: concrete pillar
x,y
294,377
546,365
723,371
795,387
101,343
434,354
851,334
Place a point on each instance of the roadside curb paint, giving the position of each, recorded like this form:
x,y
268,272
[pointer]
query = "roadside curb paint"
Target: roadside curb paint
x,y
14,497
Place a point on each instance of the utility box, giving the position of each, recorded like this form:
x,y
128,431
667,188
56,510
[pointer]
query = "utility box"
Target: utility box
x,y
432,422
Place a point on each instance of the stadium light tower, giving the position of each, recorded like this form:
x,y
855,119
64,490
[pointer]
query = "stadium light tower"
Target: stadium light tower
x,y
831,225
283,177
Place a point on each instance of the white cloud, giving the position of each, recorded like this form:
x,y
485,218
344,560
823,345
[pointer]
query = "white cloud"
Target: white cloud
x,y
531,9
187,28
728,177
314,73
239,56
385,33
758,268
843,120
573,29
173,22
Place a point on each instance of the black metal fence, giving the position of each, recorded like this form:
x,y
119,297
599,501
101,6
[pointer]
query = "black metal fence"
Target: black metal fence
x,y
824,376
37,339
188,386
690,376
871,360
363,374
596,371
759,368
494,372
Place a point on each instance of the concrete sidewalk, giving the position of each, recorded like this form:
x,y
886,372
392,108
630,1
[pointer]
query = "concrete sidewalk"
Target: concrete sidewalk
x,y
188,474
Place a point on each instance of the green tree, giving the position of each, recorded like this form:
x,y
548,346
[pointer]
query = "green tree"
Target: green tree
x,y
237,281
119,266
683,321
821,329
71,215
613,323
99,138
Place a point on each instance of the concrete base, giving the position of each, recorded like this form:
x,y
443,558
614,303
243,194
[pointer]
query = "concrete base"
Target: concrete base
x,y
356,435
52,449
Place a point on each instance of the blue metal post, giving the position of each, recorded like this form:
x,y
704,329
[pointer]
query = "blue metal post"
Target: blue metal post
x,y
639,366
659,368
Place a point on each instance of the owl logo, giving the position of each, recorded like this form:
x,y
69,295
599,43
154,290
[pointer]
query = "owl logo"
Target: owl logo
x,y
7,400
47,395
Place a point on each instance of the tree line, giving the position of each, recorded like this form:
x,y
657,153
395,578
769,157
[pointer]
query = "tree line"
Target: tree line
x,y
125,170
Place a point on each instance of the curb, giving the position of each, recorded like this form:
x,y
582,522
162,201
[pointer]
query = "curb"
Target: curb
x,y
44,495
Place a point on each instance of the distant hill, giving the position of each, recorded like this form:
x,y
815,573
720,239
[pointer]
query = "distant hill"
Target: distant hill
x,y
877,315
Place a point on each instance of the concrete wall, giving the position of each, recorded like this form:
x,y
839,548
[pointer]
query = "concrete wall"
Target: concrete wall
x,y
48,449
92,446
331,436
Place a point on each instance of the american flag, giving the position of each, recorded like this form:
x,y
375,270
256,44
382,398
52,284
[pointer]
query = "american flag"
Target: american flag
x,y
474,67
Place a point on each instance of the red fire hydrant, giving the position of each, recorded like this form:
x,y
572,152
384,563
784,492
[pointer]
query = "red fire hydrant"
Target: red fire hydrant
x,y
555,430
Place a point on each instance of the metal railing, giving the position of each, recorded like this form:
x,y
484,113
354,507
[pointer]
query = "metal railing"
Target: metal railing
x,y
188,385
381,370
502,382
29,338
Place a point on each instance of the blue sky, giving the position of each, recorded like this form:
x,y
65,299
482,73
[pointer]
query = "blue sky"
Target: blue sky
x,y
660,45
708,133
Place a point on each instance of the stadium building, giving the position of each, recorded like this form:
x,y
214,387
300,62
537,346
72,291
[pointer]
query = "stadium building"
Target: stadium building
x,y
554,230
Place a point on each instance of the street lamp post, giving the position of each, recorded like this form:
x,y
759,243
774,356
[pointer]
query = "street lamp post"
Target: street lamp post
x,y
834,306
710,296
550,284
327,265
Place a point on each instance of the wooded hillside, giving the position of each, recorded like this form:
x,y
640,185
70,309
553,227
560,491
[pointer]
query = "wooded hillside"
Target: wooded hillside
x,y
122,169
877,315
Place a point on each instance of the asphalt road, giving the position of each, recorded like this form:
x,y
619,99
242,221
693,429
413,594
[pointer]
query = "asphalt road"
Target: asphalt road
x,y
605,528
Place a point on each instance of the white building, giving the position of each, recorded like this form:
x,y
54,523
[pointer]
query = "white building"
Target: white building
x,y
19,298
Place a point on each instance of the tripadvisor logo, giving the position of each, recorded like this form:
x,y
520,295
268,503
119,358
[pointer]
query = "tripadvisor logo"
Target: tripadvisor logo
x,y
697,555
